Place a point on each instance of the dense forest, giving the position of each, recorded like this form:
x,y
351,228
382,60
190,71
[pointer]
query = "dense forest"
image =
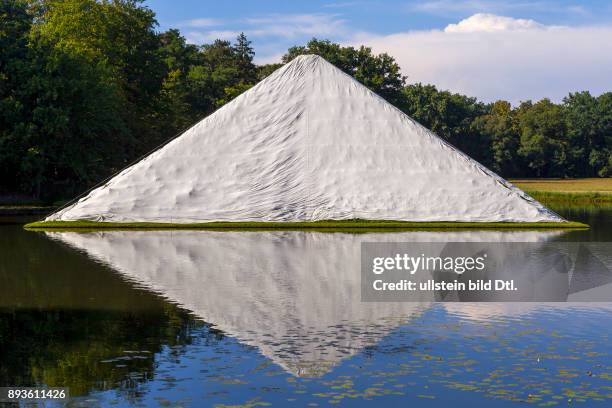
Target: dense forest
x,y
88,86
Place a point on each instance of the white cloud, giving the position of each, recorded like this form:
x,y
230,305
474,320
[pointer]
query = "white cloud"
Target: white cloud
x,y
484,22
278,26
344,4
273,34
198,37
500,57
458,7
201,22
295,25
489,56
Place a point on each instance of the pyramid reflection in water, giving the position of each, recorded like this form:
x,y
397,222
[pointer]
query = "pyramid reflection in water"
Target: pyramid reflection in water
x,y
295,295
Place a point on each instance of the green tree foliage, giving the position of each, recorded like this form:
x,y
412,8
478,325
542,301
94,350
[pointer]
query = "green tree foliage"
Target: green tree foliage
x,y
62,102
543,145
244,53
119,35
15,67
498,126
597,157
173,108
264,70
589,133
449,116
217,73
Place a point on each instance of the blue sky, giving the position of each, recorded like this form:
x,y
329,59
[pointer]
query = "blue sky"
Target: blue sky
x,y
537,47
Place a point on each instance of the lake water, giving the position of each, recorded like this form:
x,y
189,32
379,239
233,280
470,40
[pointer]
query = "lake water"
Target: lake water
x,y
201,318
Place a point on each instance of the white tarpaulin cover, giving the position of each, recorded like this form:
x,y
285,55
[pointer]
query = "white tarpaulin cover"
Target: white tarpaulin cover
x,y
307,143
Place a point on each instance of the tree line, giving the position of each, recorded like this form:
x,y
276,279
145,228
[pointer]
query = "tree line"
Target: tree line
x,y
88,86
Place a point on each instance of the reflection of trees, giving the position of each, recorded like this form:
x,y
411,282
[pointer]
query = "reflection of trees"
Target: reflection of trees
x,y
66,347
88,350
66,321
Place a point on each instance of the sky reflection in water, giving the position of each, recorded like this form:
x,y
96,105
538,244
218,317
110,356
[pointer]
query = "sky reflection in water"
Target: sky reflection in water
x,y
124,316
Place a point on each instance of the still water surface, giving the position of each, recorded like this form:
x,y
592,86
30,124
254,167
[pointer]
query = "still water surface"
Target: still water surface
x,y
191,319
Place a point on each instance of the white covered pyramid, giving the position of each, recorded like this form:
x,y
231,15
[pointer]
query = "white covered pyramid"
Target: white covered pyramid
x,y
307,143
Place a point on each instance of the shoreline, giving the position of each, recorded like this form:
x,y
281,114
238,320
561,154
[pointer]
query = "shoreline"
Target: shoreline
x,y
358,225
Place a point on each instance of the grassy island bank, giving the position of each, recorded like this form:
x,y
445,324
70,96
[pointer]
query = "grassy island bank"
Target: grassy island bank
x,y
312,225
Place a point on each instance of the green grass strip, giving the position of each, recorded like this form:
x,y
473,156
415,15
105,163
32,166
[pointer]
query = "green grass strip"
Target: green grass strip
x,y
578,199
310,225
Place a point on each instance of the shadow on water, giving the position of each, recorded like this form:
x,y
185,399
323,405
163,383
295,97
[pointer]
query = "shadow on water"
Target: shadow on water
x,y
119,317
